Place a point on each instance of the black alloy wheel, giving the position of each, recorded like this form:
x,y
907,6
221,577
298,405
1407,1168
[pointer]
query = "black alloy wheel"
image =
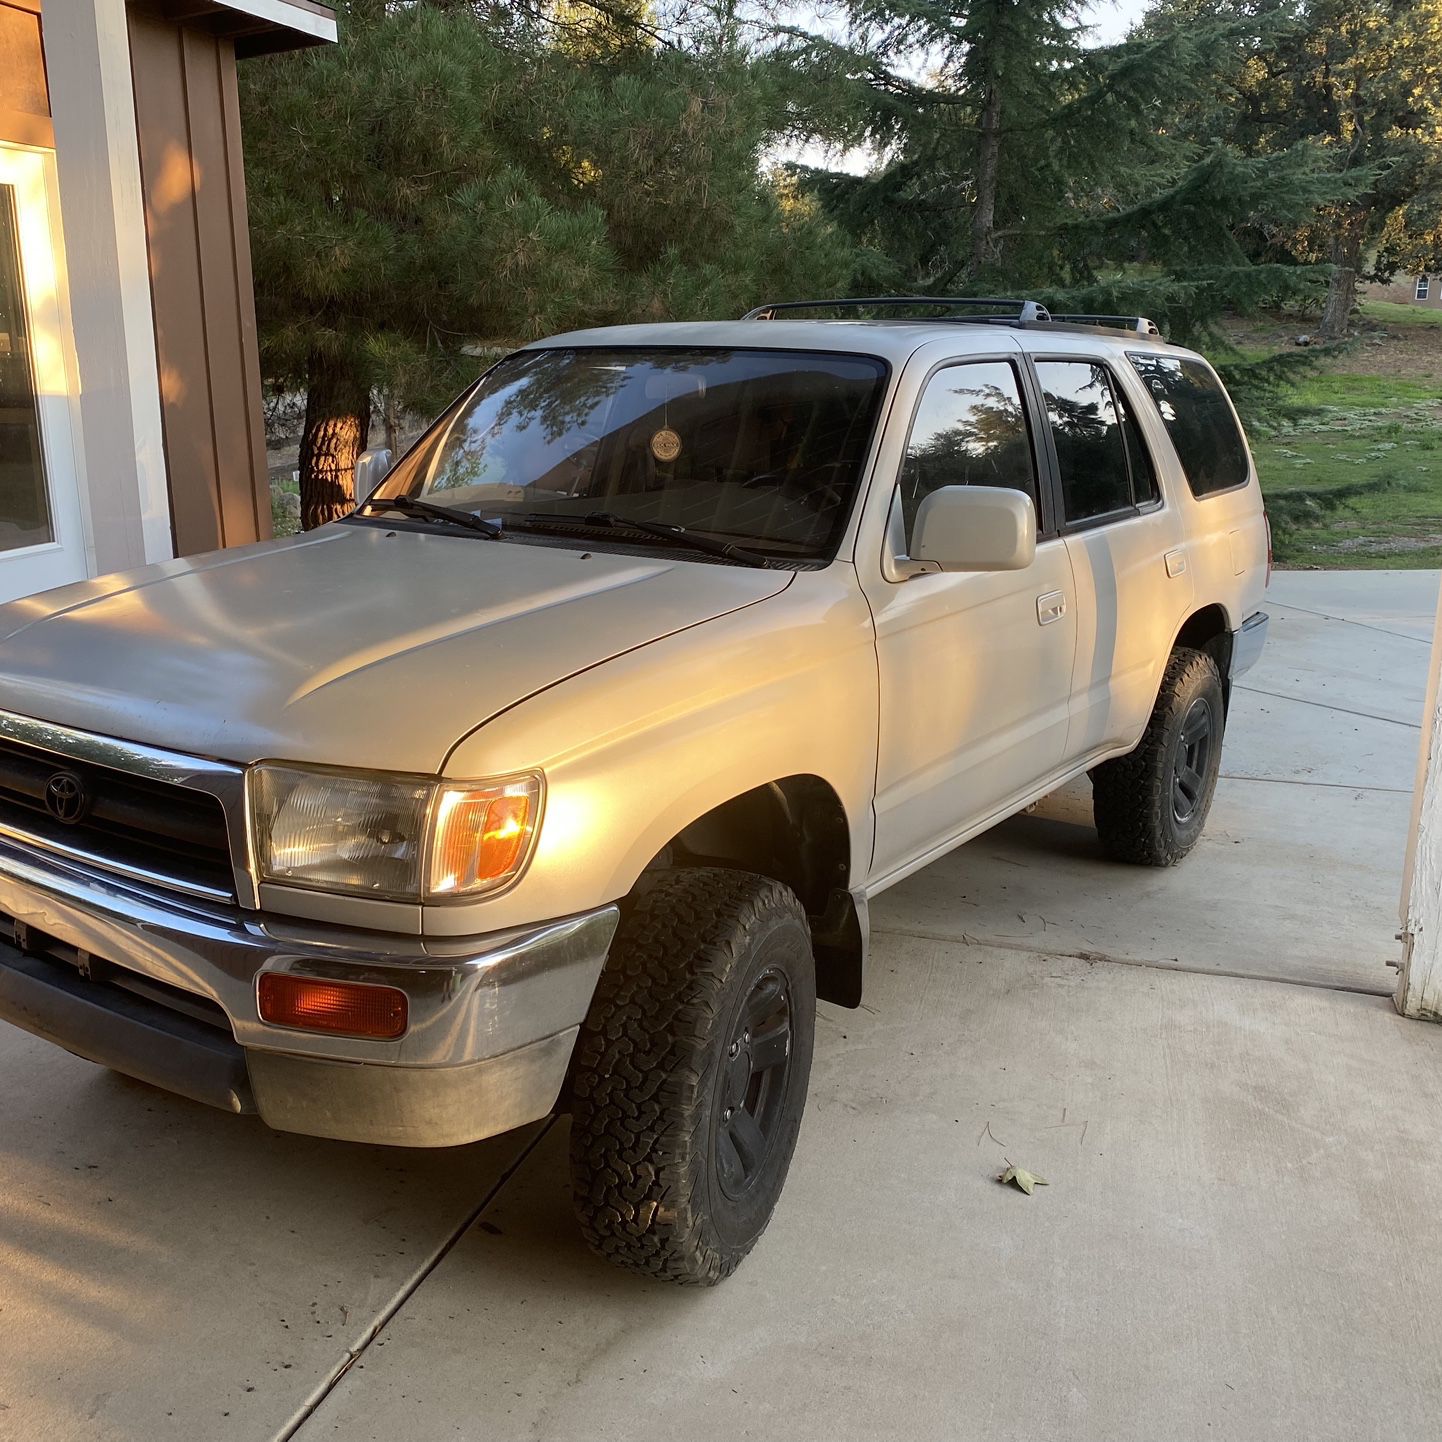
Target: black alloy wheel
x,y
1192,765
753,1083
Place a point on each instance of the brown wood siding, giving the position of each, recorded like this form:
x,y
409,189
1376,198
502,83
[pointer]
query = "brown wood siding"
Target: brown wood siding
x,y
24,95
188,120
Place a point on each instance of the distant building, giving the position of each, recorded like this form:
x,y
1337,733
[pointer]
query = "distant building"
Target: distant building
x,y
1423,290
130,422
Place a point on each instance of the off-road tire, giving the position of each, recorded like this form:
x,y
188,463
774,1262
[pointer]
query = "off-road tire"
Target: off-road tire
x,y
1133,800
654,1070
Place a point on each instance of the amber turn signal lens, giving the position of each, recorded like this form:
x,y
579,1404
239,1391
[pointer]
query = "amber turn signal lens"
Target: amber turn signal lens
x,y
345,1008
480,836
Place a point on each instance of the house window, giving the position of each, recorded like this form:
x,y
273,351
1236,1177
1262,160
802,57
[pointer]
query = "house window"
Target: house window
x,y
1423,285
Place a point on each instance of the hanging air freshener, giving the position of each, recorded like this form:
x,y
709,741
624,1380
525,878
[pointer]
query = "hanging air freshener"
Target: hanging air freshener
x,y
665,444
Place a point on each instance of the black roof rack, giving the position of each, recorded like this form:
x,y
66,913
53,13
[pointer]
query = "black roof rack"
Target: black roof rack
x,y
1135,324
1012,311
974,310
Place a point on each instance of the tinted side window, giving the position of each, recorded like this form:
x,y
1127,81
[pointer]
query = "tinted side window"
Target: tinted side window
x,y
970,430
1144,473
1091,448
1194,407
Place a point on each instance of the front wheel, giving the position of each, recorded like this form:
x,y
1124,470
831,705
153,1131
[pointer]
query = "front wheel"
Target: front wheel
x,y
1150,806
690,1074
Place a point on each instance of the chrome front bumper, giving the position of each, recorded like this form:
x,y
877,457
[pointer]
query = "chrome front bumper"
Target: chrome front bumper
x,y
492,1018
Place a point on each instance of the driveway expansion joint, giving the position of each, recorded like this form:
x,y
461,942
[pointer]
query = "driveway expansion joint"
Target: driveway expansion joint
x,y
387,1314
1306,781
1327,706
1347,621
1156,963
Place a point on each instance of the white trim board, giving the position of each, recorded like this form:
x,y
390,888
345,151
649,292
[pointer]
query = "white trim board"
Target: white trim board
x,y
286,15
102,215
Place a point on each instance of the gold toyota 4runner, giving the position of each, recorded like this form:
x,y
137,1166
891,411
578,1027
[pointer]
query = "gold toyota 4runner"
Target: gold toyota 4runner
x,y
563,770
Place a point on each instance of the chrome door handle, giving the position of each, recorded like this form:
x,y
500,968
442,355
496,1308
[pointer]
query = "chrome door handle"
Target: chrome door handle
x,y
1050,607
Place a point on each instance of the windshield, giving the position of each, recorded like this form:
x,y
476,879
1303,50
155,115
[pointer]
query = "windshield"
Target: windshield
x,y
759,448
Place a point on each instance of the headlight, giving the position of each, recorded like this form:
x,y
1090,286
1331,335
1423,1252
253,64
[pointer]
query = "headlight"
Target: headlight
x,y
401,838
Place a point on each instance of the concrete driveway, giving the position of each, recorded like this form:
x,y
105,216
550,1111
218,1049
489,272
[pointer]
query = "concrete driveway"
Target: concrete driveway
x,y
1239,1132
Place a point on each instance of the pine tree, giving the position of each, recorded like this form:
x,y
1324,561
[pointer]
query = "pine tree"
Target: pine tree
x,y
1018,157
1368,82
392,220
1361,82
956,97
457,177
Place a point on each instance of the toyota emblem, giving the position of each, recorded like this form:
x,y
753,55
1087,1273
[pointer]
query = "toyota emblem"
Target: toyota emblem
x,y
66,798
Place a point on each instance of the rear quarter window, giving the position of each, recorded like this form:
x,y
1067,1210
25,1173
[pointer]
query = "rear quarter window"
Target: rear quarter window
x,y
1198,417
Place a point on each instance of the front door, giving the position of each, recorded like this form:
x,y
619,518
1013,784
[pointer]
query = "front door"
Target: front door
x,y
42,543
975,668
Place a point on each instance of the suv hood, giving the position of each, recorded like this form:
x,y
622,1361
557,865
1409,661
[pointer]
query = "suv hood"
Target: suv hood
x,y
353,646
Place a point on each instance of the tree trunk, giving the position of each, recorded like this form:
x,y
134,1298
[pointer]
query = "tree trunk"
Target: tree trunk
x,y
983,217
988,159
1342,288
337,424
391,420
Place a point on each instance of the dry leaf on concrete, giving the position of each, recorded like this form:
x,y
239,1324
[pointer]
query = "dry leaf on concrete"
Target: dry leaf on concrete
x,y
1023,1179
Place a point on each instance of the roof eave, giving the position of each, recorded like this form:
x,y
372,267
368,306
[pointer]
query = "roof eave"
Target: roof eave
x,y
259,27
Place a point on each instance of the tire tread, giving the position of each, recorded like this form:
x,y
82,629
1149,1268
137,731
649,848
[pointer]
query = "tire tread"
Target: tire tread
x,y
641,1078
1131,794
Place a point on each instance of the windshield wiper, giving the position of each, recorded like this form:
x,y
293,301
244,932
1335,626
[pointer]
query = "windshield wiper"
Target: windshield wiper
x,y
676,535
428,510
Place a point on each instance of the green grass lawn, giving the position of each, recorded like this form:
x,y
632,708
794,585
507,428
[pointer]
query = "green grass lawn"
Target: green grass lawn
x,y
1388,312
1357,482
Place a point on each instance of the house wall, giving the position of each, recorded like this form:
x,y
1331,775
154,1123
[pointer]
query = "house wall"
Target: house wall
x,y
133,105
188,123
1403,291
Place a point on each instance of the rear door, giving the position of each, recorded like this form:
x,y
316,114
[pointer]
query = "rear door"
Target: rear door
x,y
1133,588
1215,480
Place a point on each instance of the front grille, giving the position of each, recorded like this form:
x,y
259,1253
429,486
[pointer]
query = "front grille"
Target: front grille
x,y
131,822
105,973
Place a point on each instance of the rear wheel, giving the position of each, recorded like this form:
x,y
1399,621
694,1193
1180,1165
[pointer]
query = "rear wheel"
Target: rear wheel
x,y
691,1072
1151,805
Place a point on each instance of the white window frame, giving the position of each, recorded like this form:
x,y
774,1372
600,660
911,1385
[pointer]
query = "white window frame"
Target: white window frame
x,y
68,553
1424,287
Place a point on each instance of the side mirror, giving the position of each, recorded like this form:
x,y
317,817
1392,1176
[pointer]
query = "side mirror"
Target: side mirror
x,y
370,469
975,528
